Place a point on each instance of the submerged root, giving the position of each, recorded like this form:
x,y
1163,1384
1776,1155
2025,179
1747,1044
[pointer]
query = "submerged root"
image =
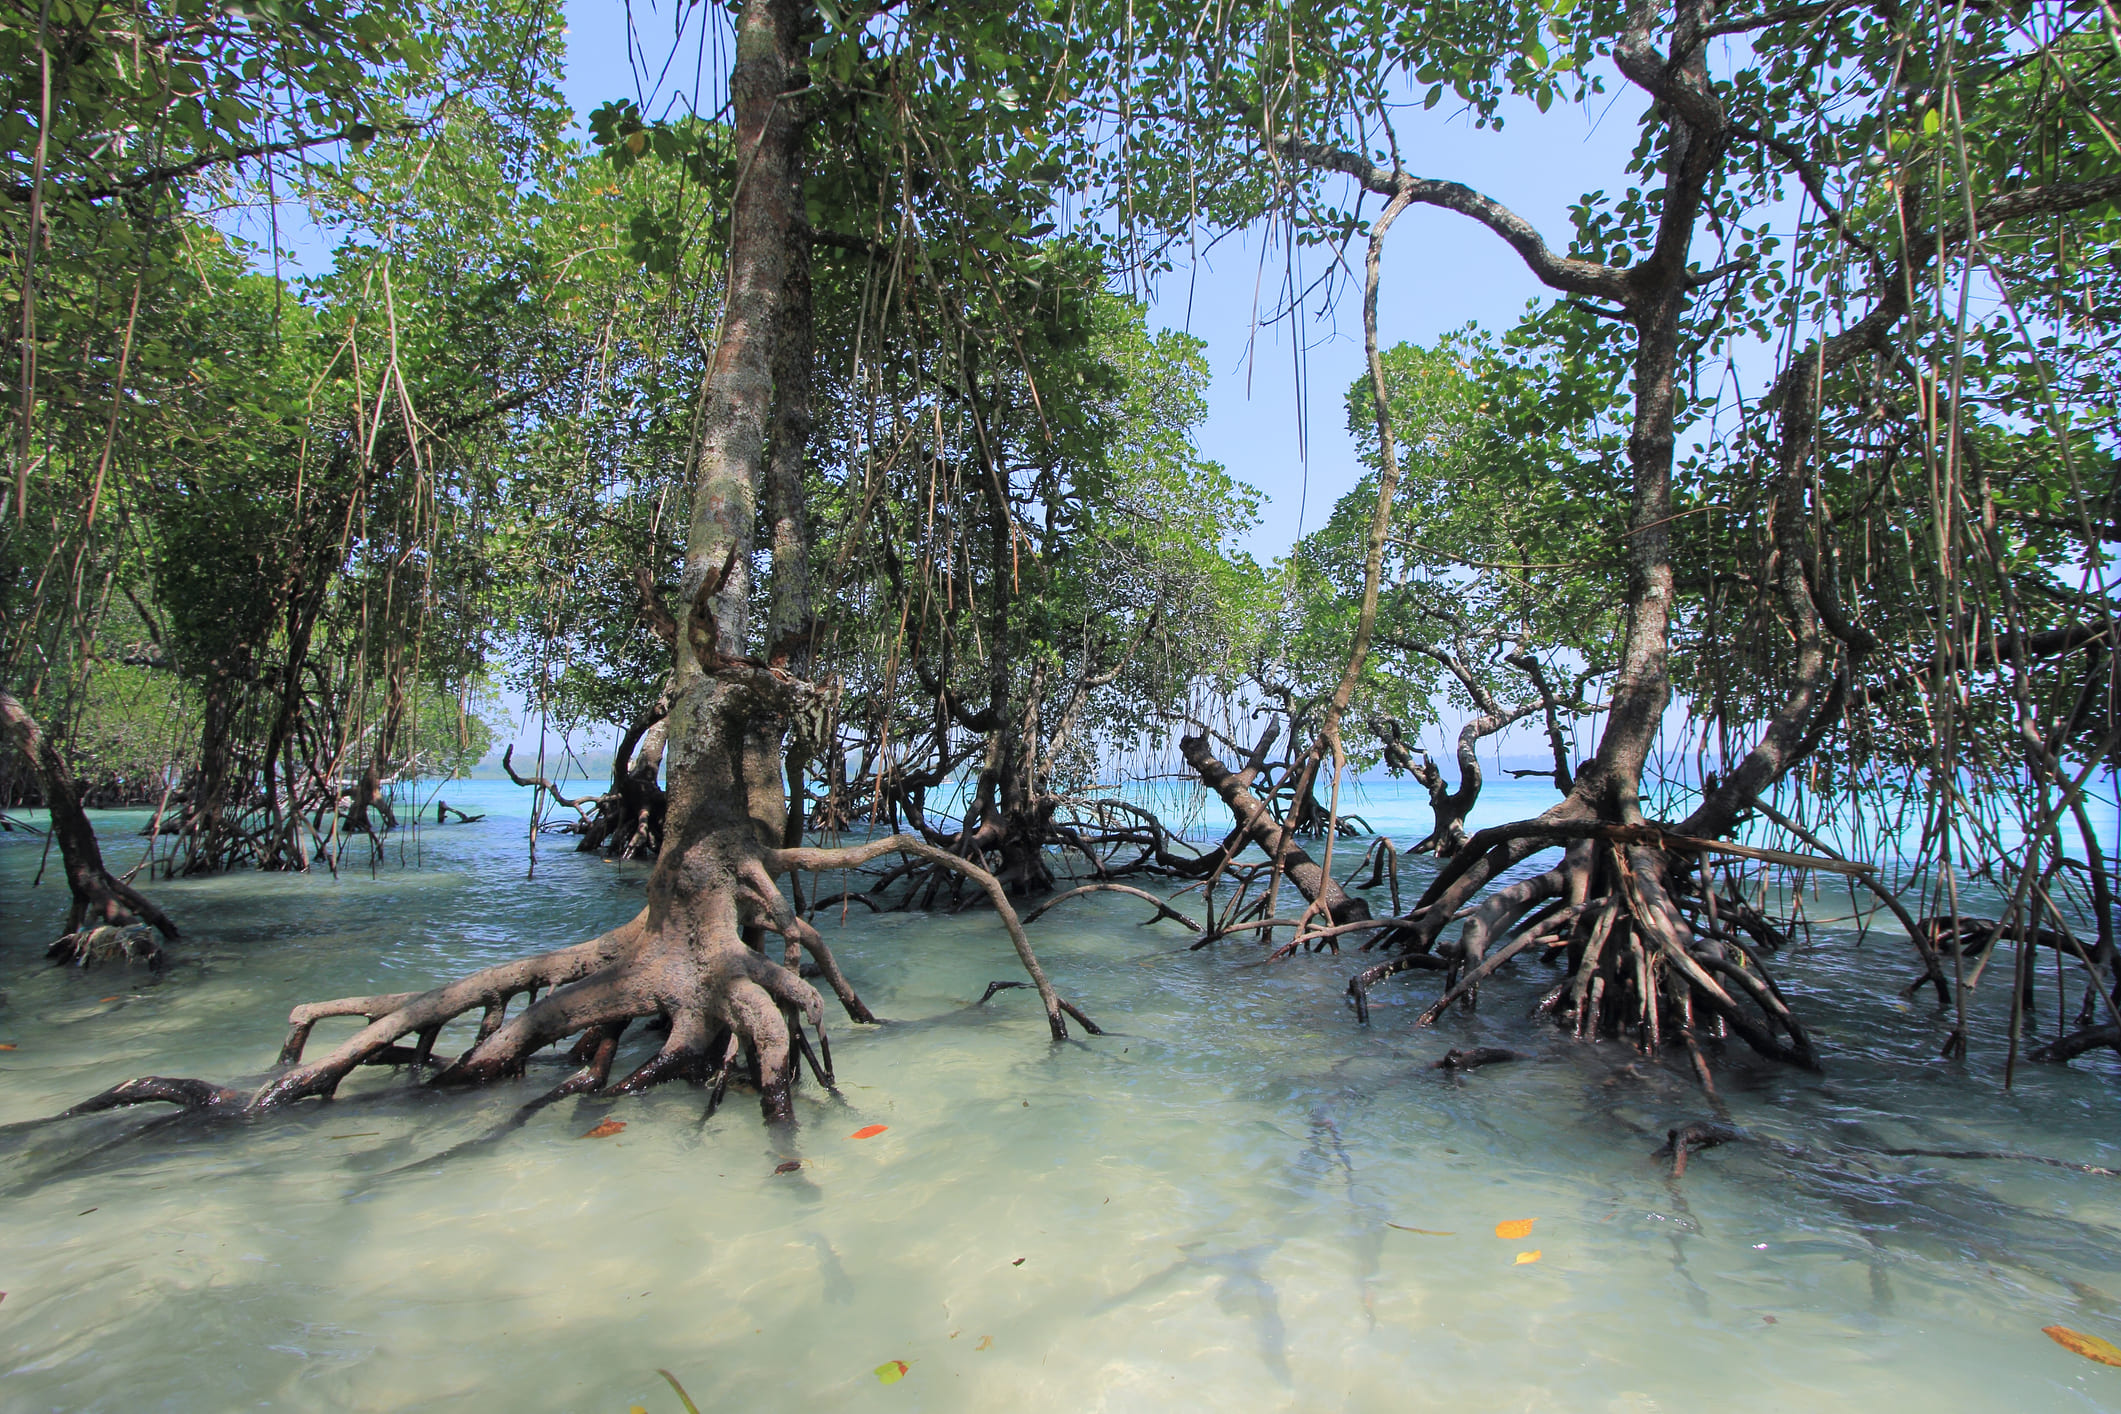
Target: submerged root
x,y
134,945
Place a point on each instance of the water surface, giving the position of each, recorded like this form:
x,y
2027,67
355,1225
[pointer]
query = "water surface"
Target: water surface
x,y
1192,1212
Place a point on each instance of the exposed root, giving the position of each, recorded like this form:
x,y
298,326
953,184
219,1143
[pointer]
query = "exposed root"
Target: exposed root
x,y
1163,909
135,945
1069,1007
2088,1038
682,961
1649,955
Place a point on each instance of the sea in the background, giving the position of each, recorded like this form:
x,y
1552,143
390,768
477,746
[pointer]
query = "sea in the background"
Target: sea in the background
x,y
1238,1199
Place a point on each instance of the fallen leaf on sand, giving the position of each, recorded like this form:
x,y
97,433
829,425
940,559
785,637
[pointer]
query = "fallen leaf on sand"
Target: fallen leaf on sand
x,y
891,1372
1525,1257
605,1130
789,1166
984,1342
2091,1347
1514,1229
1424,1231
869,1131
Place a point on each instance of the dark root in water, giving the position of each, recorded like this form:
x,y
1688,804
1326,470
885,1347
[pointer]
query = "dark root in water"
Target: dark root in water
x,y
1648,953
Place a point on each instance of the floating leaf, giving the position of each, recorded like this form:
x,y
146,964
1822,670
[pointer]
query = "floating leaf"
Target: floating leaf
x,y
1514,1229
101,1000
1017,1263
984,1342
1525,1257
869,1131
605,1130
8,1046
891,1372
2091,1347
1424,1231
788,1166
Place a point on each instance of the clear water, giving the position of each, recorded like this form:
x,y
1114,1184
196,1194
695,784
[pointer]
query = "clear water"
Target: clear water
x,y
1192,1212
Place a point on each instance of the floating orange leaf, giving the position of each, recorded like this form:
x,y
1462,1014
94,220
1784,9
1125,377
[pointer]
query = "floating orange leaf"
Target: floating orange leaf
x,y
2091,1347
605,1130
8,1046
985,1341
869,1131
1514,1229
1524,1257
100,1001
891,1372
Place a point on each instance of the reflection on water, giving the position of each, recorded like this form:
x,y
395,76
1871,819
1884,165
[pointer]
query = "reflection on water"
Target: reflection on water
x,y
1199,1201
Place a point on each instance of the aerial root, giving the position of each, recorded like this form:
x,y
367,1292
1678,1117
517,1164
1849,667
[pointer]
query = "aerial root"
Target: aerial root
x,y
1360,984
1642,962
1163,908
1067,1006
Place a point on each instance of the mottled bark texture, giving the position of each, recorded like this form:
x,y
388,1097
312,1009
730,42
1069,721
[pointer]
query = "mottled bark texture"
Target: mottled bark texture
x,y
100,901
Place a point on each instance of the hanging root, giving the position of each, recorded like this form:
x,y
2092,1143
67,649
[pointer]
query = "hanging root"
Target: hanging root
x,y
1645,958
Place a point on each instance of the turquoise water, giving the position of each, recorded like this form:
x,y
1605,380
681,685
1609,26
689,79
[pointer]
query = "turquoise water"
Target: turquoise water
x,y
1192,1212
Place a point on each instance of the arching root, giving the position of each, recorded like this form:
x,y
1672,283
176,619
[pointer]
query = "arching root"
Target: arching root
x,y
1163,909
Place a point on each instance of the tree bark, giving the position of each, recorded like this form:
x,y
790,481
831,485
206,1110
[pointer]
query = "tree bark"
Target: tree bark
x,y
99,898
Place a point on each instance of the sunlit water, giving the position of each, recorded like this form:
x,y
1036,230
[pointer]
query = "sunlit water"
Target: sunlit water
x,y
1191,1212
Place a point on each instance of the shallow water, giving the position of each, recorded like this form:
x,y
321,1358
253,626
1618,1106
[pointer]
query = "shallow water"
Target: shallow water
x,y
1190,1212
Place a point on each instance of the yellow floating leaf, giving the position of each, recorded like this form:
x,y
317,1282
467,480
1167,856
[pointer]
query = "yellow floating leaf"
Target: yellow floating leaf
x,y
891,1372
638,1409
1525,1257
985,1341
2091,1347
1515,1228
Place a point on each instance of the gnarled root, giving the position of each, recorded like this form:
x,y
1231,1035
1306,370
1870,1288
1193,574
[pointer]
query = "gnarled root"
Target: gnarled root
x,y
688,967
1645,960
683,960
94,947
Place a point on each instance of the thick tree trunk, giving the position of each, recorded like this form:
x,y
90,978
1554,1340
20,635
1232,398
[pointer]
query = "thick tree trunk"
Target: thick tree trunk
x,y
99,900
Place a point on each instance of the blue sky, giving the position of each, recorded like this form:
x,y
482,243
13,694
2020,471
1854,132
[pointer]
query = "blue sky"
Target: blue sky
x,y
1441,271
